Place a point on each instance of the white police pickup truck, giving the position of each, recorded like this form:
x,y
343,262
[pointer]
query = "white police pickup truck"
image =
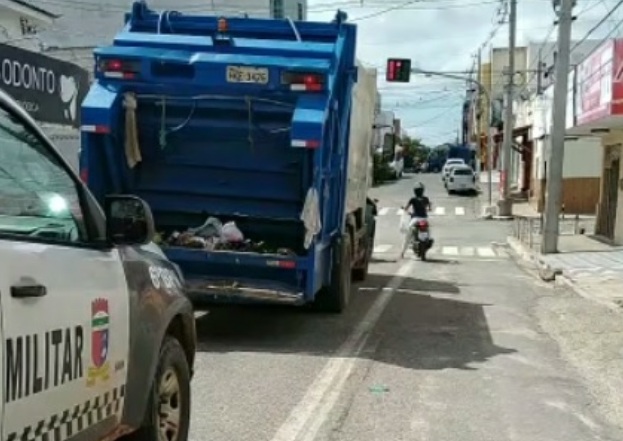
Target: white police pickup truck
x,y
98,339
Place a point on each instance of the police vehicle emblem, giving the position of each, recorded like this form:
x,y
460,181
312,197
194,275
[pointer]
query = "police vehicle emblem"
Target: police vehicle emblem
x,y
100,335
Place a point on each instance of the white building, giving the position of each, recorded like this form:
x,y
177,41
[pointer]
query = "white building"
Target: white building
x,y
295,9
546,54
83,27
533,107
20,21
582,161
21,44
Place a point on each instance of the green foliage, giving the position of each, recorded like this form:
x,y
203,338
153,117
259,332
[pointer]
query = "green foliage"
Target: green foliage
x,y
414,152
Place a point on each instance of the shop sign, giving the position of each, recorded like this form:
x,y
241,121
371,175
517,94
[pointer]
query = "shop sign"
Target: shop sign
x,y
49,89
594,84
617,83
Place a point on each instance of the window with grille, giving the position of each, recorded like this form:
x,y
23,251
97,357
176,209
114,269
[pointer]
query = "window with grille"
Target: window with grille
x,y
277,8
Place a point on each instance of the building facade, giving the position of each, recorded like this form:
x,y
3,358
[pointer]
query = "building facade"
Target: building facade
x,y
49,89
531,128
82,28
598,112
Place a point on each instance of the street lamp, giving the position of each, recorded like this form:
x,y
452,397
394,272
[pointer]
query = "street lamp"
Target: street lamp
x,y
484,91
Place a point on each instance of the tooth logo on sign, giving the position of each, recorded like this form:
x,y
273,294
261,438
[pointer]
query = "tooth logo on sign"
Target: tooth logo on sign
x,y
100,334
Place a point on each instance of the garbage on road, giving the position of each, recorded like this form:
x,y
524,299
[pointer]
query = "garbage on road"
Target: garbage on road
x,y
213,235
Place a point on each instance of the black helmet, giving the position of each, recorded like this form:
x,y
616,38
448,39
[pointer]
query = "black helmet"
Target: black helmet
x,y
418,189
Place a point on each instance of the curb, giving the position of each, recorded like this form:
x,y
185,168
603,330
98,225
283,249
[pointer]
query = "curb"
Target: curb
x,y
566,281
546,271
550,274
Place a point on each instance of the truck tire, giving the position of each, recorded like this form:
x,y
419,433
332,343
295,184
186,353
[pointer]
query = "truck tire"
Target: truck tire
x,y
334,298
169,397
360,274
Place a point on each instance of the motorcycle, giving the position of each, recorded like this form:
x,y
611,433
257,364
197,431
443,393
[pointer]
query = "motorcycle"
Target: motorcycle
x,y
420,239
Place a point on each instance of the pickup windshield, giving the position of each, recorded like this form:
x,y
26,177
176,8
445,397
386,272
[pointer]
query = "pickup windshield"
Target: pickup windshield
x,y
36,192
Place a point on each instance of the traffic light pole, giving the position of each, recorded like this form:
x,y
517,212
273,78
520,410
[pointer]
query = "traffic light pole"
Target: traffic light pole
x,y
488,212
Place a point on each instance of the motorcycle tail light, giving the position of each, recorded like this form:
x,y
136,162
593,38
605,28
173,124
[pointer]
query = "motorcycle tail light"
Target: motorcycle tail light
x,y
422,225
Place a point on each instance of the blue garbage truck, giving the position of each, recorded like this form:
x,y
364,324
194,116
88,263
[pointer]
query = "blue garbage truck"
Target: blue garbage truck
x,y
251,140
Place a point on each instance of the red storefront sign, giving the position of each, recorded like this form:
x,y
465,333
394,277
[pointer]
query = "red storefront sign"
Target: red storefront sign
x,y
617,80
594,84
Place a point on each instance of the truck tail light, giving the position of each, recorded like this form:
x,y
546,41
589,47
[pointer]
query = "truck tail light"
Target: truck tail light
x,y
116,68
304,81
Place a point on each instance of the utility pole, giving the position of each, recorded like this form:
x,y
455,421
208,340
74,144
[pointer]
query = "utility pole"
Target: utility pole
x,y
559,110
478,131
505,205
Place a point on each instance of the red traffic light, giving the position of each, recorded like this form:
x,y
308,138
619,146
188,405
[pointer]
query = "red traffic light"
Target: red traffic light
x,y
398,70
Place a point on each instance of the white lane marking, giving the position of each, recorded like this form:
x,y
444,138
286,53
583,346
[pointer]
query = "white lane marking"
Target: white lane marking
x,y
486,252
459,211
382,248
383,211
467,251
439,211
400,212
199,314
313,410
450,251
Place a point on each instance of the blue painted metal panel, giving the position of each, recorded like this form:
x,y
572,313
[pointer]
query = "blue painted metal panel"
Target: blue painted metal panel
x,y
210,147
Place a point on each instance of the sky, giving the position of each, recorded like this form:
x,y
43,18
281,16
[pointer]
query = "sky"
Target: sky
x,y
444,35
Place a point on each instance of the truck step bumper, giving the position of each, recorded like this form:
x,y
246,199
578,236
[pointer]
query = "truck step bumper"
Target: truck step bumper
x,y
239,292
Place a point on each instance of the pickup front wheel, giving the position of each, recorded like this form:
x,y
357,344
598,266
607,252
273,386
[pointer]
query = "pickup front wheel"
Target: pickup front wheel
x,y
168,411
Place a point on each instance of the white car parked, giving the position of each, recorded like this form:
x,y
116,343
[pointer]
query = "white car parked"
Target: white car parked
x,y
445,171
461,179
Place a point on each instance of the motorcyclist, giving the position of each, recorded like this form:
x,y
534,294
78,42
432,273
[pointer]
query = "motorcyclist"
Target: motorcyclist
x,y
419,206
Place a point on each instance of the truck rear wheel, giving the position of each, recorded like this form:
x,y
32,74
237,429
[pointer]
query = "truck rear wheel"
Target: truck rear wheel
x,y
360,274
335,297
168,407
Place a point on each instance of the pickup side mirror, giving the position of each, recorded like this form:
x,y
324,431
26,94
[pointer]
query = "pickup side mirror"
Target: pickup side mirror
x,y
129,220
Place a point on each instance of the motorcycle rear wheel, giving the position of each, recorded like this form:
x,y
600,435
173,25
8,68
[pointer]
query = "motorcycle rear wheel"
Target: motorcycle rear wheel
x,y
421,251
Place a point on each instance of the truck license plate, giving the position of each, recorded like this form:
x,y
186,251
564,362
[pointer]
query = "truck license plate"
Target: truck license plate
x,y
250,75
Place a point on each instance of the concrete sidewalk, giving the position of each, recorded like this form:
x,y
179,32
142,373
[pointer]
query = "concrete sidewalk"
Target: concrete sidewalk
x,y
495,177
590,267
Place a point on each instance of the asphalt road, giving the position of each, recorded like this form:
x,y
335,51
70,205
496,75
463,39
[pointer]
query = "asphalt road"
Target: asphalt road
x,y
458,348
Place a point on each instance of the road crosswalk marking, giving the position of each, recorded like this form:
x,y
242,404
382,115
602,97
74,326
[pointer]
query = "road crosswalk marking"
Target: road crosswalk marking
x,y
450,251
467,251
486,252
382,248
437,211
478,252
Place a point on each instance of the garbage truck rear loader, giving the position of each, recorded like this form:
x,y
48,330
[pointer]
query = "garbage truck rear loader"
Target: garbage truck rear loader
x,y
238,134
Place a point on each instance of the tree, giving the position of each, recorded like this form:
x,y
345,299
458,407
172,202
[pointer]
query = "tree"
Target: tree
x,y
414,151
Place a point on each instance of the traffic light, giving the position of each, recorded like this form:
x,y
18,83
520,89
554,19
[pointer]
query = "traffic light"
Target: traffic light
x,y
398,70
